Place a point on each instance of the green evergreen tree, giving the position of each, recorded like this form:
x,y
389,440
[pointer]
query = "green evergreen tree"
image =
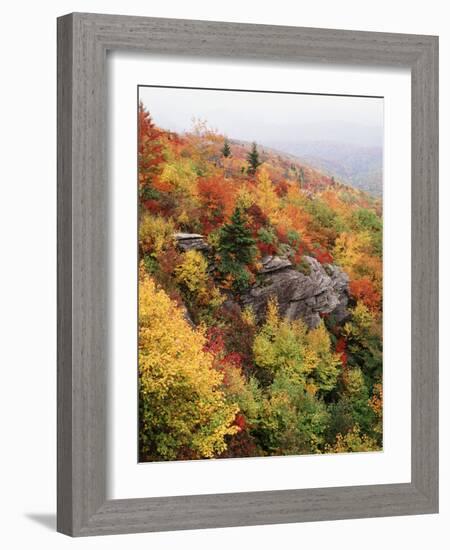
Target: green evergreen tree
x,y
236,249
236,242
226,149
301,177
253,160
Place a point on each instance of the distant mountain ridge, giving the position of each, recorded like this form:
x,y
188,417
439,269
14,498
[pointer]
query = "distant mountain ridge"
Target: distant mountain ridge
x,y
360,167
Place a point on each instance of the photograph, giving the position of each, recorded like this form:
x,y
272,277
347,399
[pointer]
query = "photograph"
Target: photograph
x,y
260,273
221,301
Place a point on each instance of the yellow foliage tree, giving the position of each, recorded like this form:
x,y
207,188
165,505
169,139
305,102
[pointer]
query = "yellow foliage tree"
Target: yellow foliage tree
x,y
244,197
326,363
266,197
286,347
192,275
192,272
353,442
354,252
362,323
155,233
183,410
350,247
354,383
180,175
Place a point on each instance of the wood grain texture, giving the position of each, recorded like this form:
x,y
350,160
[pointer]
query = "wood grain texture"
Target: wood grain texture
x,y
83,206
64,274
424,279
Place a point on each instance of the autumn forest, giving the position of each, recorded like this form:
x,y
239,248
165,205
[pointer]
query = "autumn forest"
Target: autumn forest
x,y
260,301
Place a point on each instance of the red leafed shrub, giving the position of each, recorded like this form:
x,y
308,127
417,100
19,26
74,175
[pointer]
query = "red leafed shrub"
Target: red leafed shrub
x,y
150,148
363,289
282,235
256,219
215,343
266,249
240,422
152,206
163,207
217,199
323,256
341,346
281,188
234,358
169,260
241,444
149,132
238,335
162,186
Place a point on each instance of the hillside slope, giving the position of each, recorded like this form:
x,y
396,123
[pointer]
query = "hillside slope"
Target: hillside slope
x,y
260,302
359,166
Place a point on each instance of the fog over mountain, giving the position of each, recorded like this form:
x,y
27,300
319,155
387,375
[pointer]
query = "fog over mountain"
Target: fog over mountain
x,y
342,136
361,167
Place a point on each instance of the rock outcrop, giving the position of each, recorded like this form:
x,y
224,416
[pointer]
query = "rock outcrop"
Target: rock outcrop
x,y
274,263
320,289
190,241
300,295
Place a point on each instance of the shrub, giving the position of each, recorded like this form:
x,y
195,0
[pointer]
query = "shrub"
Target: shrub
x,y
182,406
284,346
353,441
155,233
192,273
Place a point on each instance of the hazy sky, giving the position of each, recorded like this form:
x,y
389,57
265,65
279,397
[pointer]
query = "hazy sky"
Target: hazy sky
x,y
269,118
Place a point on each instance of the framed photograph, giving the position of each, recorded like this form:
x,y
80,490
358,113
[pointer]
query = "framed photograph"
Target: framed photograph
x,y
247,274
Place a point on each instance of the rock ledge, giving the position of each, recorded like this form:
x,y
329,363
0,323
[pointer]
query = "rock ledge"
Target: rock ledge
x,y
299,295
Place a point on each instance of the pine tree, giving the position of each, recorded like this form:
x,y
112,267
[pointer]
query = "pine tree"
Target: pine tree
x,y
253,160
301,177
236,250
226,149
236,243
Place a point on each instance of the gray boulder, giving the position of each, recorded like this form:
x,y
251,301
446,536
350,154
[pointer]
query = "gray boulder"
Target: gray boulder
x,y
299,295
191,241
274,263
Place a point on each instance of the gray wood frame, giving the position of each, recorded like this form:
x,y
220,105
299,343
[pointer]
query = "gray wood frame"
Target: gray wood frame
x,y
83,40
